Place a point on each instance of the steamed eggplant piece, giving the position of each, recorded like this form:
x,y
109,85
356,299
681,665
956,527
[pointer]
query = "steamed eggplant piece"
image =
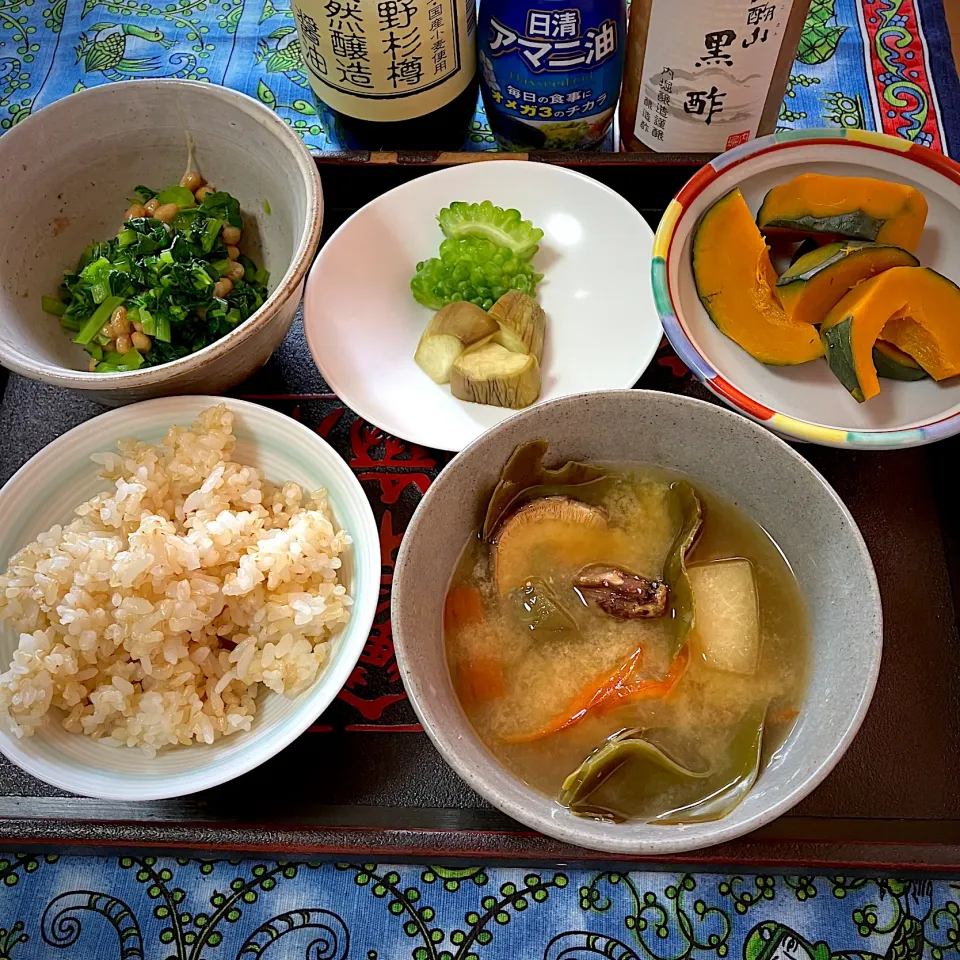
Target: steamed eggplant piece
x,y
621,594
453,329
682,607
571,530
630,751
524,479
539,611
491,374
523,323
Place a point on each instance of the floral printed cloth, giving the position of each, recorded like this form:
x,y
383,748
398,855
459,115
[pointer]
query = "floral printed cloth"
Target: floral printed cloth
x,y
874,64
128,909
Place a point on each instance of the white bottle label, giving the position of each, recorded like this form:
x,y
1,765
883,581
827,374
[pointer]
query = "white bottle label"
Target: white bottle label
x,y
387,60
707,69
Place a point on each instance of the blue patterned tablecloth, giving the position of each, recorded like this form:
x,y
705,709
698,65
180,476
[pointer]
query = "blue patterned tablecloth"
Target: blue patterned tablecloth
x,y
127,909
875,64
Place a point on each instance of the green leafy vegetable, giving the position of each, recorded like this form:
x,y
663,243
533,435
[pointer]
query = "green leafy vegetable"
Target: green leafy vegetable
x,y
181,196
53,306
223,207
142,194
505,228
97,319
166,277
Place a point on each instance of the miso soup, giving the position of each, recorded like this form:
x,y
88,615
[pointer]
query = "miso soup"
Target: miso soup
x,y
626,641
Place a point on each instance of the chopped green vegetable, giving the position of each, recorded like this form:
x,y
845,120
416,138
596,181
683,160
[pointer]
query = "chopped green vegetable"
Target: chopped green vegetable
x,y
224,207
142,194
266,207
181,196
53,306
505,228
131,360
166,276
97,319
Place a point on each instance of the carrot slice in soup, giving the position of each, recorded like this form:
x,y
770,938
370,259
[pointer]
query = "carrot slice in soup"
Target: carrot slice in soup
x,y
464,605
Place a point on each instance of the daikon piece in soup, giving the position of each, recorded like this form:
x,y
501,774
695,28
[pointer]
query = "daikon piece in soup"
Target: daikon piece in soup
x,y
625,640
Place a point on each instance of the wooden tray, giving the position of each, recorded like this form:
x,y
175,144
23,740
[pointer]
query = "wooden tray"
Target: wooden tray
x,y
365,782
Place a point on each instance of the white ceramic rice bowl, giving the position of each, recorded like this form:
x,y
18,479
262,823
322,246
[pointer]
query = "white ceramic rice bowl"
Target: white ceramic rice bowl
x,y
47,488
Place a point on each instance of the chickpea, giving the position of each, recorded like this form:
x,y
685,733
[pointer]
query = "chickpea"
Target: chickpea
x,y
110,346
124,344
92,365
192,180
223,287
142,342
233,252
119,321
166,213
138,326
135,212
151,207
236,271
107,330
204,191
231,236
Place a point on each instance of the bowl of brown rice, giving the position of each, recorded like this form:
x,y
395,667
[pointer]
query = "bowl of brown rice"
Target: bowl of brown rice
x,y
185,586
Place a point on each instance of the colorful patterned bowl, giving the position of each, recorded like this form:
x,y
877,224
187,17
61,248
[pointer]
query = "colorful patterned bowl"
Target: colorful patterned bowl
x,y
45,491
807,402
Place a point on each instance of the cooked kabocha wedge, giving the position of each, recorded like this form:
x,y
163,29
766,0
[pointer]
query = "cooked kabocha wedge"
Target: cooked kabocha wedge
x,y
914,308
820,279
854,208
449,333
736,283
490,373
893,364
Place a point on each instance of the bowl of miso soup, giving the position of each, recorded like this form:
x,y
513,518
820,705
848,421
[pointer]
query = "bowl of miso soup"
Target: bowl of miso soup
x,y
637,622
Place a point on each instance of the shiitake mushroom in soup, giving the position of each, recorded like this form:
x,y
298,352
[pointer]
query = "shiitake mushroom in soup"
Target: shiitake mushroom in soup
x,y
625,640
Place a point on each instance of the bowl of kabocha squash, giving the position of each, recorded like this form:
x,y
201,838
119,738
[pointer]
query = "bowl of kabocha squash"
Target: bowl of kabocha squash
x,y
811,283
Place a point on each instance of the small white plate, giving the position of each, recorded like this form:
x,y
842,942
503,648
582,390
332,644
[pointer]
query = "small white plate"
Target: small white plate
x,y
363,324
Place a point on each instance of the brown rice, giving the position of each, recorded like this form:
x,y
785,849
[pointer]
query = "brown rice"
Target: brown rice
x,y
154,617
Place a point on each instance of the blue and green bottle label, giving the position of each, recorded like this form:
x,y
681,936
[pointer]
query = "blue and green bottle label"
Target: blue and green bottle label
x,y
551,71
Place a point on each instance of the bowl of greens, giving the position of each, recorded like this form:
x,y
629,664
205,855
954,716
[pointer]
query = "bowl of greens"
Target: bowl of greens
x,y
155,239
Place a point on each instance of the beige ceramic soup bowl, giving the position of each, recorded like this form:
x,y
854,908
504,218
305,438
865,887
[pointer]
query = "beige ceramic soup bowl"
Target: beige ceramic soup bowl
x,y
734,458
65,174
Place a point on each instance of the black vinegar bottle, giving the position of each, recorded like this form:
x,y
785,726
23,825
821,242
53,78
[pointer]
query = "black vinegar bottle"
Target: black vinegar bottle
x,y
391,74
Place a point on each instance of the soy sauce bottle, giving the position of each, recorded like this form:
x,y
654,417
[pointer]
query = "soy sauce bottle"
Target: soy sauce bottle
x,y
391,74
